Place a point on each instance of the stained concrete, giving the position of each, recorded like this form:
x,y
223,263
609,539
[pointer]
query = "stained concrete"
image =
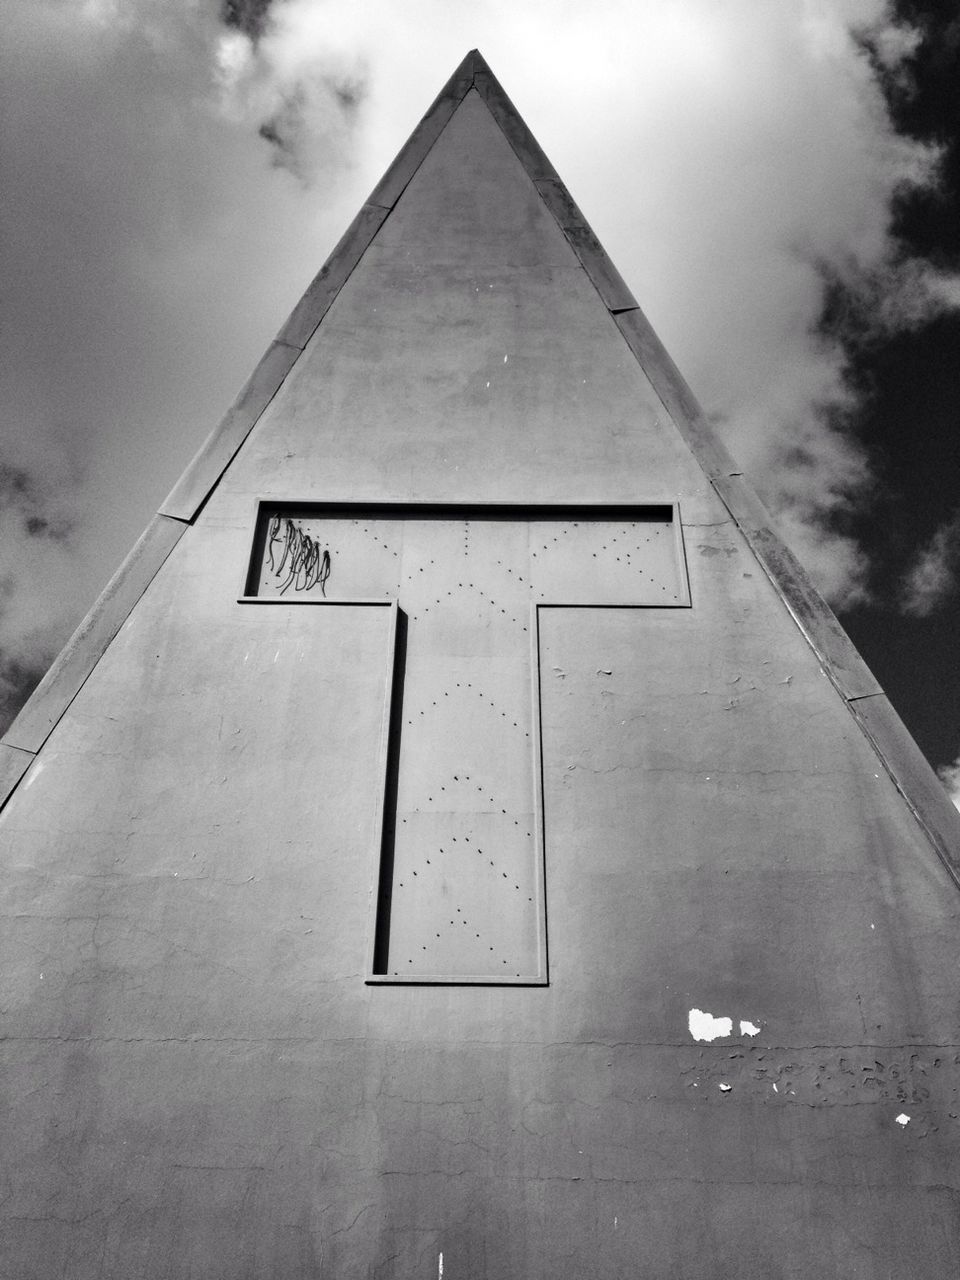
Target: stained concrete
x,y
198,1082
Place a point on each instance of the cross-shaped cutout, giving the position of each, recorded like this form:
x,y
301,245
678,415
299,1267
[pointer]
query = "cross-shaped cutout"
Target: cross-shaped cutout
x,y
461,883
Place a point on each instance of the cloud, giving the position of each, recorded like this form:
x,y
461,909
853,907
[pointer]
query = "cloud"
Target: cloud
x,y
736,160
38,563
300,146
932,577
150,253
24,503
303,99
741,167
246,16
949,775
17,681
868,303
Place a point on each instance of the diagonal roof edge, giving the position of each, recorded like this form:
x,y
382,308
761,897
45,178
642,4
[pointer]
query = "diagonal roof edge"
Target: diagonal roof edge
x,y
192,489
73,665
841,661
41,712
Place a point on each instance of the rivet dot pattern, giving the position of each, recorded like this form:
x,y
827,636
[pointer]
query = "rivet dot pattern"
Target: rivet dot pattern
x,y
466,897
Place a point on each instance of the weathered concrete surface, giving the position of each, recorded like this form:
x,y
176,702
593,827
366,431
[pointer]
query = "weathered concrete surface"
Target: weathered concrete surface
x,y
196,1080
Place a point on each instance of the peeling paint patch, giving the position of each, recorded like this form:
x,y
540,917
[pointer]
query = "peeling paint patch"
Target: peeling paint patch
x,y
903,1119
704,1026
724,1088
440,1267
748,1028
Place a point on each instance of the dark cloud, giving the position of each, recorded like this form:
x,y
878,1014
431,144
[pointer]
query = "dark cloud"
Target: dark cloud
x,y
349,93
248,16
18,679
306,126
22,494
15,483
285,131
19,673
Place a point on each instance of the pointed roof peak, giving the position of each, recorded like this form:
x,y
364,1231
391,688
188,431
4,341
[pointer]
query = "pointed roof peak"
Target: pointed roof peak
x,y
472,62
839,658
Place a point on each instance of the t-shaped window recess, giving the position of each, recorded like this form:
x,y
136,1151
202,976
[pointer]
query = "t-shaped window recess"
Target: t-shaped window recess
x,y
461,878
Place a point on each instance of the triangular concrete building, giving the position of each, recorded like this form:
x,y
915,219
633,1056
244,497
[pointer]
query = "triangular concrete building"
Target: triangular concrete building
x,y
460,842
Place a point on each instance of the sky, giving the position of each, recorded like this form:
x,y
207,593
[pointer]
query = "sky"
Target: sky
x,y
778,183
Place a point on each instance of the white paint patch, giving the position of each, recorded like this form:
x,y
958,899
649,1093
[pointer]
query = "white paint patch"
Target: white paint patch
x,y
748,1028
775,1089
704,1026
724,1088
505,359
903,1119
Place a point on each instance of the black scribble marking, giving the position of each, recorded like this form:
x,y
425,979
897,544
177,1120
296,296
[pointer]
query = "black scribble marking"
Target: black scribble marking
x,y
301,559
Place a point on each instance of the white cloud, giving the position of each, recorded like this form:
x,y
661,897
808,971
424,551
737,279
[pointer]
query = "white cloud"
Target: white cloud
x,y
728,156
731,159
933,574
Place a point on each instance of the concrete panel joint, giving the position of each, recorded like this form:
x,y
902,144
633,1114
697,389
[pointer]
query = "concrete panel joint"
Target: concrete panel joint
x,y
14,762
190,492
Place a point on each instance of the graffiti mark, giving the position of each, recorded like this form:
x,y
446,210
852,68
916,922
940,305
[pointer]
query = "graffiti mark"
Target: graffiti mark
x,y
293,553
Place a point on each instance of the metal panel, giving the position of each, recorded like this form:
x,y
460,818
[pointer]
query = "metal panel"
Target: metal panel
x,y
461,884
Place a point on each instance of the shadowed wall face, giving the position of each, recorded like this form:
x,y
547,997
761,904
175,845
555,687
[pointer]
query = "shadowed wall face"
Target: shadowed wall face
x,y
201,1079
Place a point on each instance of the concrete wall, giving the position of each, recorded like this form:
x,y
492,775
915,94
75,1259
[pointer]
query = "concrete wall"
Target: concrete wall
x,y
197,1082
